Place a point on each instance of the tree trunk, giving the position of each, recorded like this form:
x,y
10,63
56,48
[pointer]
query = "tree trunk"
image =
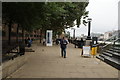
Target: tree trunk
x,y
17,33
23,35
9,36
40,35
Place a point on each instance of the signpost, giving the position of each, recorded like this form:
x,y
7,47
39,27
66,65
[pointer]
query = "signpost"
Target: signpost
x,y
49,38
86,51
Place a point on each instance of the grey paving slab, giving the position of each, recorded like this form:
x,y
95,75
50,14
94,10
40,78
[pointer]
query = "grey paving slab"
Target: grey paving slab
x,y
46,62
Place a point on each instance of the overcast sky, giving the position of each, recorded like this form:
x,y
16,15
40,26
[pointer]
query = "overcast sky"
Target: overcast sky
x,y
104,14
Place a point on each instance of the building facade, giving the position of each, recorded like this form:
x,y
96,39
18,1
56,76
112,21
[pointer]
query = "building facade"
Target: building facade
x,y
107,35
119,19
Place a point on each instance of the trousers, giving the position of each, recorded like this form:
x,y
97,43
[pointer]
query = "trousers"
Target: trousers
x,y
63,52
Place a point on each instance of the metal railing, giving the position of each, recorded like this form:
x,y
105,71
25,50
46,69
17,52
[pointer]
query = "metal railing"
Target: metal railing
x,y
108,46
117,42
105,47
110,40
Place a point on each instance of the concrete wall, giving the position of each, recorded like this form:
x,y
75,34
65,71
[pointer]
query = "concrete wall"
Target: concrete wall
x,y
11,66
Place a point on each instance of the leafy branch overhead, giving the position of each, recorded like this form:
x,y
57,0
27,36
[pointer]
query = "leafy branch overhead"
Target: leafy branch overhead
x,y
52,15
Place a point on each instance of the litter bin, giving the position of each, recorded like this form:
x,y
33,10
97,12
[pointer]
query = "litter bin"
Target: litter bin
x,y
94,50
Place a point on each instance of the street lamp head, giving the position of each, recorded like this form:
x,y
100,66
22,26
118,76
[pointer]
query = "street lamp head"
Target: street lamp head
x,y
89,19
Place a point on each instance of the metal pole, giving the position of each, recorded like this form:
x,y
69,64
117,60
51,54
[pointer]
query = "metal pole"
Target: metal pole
x,y
74,34
88,40
89,23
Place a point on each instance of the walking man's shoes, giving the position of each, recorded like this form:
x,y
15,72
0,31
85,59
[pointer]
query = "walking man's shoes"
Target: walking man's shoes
x,y
64,56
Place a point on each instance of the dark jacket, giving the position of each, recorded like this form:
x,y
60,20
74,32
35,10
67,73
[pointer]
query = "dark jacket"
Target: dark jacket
x,y
63,43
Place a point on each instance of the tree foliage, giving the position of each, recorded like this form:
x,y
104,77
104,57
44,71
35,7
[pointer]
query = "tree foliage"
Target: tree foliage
x,y
52,15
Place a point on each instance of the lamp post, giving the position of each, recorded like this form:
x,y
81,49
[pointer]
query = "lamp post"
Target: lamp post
x,y
89,40
89,26
73,32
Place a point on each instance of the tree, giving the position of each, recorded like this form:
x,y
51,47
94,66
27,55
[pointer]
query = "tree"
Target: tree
x,y
55,15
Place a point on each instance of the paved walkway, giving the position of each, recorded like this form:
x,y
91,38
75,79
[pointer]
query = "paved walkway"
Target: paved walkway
x,y
46,62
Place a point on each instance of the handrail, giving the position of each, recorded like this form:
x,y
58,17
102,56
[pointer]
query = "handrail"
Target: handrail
x,y
107,46
116,41
111,38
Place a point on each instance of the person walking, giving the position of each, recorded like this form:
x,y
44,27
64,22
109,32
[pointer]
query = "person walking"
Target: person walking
x,y
75,42
29,42
63,45
44,41
81,43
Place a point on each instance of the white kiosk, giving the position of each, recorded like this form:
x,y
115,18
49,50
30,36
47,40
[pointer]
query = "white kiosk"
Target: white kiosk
x,y
49,38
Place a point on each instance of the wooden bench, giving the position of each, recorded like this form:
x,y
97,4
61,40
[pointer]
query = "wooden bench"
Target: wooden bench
x,y
7,51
